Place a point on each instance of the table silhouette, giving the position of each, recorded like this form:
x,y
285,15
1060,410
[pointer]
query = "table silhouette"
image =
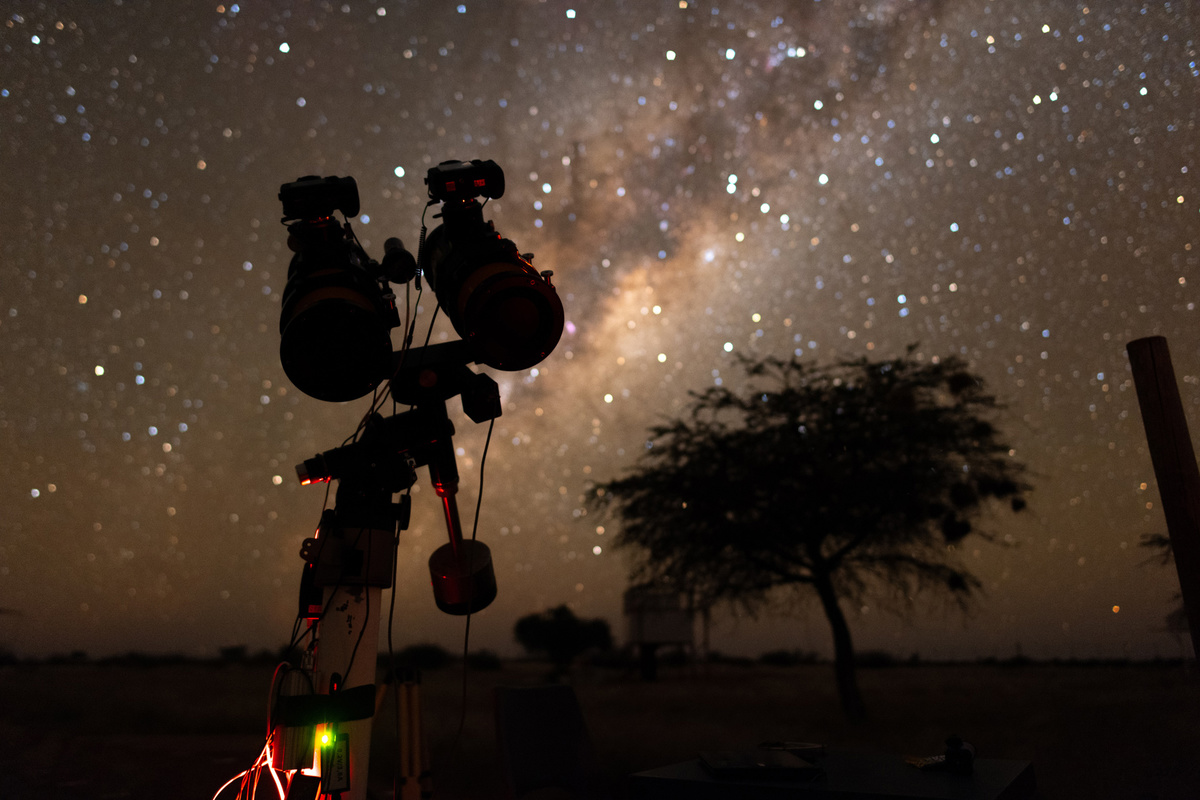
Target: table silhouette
x,y
845,776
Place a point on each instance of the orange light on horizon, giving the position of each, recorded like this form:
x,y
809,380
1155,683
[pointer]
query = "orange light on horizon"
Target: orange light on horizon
x,y
1116,609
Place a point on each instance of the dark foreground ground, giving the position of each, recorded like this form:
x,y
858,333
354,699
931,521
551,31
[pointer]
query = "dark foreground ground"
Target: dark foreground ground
x,y
180,731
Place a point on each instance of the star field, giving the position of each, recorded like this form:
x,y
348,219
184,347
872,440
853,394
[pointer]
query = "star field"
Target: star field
x,y
1011,182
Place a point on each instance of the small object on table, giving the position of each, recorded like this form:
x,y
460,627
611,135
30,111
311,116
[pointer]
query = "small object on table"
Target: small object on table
x,y
759,764
808,750
959,758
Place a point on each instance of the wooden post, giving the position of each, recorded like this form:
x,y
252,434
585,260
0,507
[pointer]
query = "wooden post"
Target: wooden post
x,y
1174,464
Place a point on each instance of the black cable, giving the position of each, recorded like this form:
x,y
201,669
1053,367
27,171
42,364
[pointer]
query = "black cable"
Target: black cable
x,y
293,637
421,240
378,400
392,603
429,333
362,424
462,719
406,340
366,598
392,650
407,346
410,324
482,463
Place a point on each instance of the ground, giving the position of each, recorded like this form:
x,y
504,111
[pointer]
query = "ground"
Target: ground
x,y
180,731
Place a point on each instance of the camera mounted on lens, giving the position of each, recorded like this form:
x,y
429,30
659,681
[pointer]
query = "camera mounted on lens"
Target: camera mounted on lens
x,y
338,310
507,312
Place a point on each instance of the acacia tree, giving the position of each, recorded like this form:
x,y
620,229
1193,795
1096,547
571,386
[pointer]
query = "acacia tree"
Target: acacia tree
x,y
562,636
852,480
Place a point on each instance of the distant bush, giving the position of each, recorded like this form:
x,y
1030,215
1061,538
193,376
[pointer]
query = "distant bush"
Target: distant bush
x,y
1014,661
235,652
717,657
136,659
611,659
423,657
484,661
74,657
875,658
788,658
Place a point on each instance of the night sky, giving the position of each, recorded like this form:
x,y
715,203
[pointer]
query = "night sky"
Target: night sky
x,y
1011,182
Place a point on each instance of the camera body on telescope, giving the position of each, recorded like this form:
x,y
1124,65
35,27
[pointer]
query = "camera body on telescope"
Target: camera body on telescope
x,y
313,197
465,180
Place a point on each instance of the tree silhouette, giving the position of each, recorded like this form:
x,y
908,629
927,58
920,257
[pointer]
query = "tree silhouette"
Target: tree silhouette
x,y
1176,618
562,636
844,480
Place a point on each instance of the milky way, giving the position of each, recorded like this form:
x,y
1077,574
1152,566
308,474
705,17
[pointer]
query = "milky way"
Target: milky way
x,y
1010,182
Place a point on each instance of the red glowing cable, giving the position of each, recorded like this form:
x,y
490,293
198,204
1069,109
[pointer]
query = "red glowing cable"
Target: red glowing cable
x,y
253,775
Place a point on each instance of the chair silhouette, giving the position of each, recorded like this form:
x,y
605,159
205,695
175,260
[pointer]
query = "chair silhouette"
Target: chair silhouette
x,y
544,743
